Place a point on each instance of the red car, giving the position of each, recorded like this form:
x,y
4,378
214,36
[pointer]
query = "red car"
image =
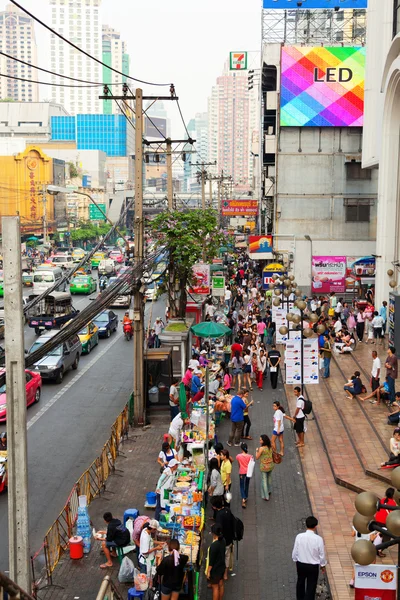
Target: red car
x,y
33,391
117,256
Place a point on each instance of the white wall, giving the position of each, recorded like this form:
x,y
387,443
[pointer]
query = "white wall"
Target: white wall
x,y
92,162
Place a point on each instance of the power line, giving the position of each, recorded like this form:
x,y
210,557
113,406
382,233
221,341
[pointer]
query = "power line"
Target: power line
x,y
52,72
83,51
65,85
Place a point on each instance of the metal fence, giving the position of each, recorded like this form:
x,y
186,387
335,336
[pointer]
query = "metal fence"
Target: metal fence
x,y
90,484
108,591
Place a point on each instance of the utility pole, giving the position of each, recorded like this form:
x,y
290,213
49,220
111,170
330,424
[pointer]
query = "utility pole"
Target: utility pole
x,y
219,198
211,191
44,194
138,313
18,524
203,189
170,190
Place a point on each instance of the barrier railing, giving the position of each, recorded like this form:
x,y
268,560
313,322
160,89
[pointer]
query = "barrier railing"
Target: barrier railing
x,y
9,589
108,591
90,484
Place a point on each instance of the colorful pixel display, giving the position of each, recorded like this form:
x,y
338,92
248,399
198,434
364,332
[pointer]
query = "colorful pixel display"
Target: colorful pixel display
x,y
322,86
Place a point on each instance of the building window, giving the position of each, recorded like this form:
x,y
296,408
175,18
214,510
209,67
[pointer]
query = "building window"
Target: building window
x,y
396,17
354,171
357,211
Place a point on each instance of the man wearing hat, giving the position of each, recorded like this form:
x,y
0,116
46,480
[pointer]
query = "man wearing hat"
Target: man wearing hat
x,y
196,382
148,546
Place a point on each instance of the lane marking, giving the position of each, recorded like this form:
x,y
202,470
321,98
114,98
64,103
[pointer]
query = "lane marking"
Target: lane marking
x,y
76,378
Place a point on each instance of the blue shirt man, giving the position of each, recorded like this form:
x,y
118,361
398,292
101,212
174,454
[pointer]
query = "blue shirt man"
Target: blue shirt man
x,y
383,314
238,406
196,383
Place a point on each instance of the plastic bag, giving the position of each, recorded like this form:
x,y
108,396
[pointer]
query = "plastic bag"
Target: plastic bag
x,y
141,581
126,571
250,468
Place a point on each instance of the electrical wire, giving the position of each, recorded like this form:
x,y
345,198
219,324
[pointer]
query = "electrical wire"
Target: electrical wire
x,y
83,51
64,85
183,120
52,72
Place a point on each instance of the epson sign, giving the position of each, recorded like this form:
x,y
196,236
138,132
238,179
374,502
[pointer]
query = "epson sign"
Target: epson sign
x,y
367,574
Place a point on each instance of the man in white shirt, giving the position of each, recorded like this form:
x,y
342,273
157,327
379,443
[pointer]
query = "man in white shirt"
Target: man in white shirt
x,y
158,327
377,325
375,372
228,296
338,326
175,430
174,399
309,555
299,417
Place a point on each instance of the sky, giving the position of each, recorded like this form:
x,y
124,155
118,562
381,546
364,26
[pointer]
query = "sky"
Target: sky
x,y
180,41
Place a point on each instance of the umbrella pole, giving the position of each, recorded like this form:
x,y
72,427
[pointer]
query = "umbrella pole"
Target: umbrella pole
x,y
206,396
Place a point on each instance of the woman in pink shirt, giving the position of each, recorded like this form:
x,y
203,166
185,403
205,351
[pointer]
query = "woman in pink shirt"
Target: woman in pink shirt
x,y
187,378
261,327
243,459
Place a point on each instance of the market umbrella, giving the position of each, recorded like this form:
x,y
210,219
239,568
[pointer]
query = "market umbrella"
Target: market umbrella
x,y
182,400
33,238
209,329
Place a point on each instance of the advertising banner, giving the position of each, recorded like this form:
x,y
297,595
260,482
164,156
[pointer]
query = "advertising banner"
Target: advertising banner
x,y
231,208
302,4
218,285
260,246
328,274
310,361
377,582
155,127
269,270
322,86
279,318
238,61
201,279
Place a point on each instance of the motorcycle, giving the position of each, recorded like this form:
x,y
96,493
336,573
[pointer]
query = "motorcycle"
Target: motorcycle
x,y
128,330
3,471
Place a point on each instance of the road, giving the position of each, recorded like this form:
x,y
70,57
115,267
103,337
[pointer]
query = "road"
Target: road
x,y
69,426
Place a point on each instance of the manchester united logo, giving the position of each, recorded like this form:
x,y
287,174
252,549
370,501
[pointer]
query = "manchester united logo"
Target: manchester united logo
x,y
387,576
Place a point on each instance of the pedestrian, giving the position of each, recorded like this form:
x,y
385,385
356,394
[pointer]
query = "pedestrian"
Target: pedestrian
x,y
228,297
237,364
225,520
227,384
277,433
391,372
261,327
215,565
360,325
274,360
175,430
375,372
370,330
377,324
243,459
354,386
383,314
394,456
247,369
117,536
166,455
196,383
299,417
309,556
171,571
226,471
165,482
261,366
158,327
327,356
148,546
247,423
215,486
174,398
264,455
339,309
238,406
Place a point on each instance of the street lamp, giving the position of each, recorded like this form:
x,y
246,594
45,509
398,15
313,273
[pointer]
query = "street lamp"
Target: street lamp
x,y
367,504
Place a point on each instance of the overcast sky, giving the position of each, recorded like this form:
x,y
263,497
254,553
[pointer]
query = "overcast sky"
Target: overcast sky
x,y
184,41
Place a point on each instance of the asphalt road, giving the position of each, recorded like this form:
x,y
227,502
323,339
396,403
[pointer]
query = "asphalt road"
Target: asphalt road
x,y
70,424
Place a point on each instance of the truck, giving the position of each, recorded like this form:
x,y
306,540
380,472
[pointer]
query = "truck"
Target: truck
x,y
52,312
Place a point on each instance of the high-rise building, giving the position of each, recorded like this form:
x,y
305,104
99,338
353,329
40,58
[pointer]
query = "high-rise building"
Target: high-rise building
x,y
17,38
198,130
80,22
115,56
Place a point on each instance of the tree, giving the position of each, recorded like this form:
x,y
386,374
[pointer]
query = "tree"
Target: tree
x,y
188,236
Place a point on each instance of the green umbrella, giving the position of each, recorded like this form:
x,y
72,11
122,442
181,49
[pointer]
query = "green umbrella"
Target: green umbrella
x,y
210,329
33,238
182,400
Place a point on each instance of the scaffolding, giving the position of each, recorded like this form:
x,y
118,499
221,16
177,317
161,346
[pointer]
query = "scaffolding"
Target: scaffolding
x,y
314,27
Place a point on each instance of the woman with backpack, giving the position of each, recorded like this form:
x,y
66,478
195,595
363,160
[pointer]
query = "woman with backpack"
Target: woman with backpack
x,y
264,455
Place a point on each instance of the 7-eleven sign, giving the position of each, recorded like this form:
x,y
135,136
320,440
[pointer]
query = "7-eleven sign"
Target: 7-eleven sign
x,y
238,61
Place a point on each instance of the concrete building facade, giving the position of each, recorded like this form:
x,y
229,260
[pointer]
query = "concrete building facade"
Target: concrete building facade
x,y
30,121
115,55
80,22
17,39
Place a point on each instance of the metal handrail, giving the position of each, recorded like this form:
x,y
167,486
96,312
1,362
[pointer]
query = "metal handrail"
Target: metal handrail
x,y
108,591
13,590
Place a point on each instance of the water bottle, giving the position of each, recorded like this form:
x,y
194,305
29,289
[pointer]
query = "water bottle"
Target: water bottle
x,y
190,497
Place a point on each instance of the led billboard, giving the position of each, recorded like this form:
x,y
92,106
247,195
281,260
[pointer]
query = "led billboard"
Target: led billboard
x,y
322,86
308,4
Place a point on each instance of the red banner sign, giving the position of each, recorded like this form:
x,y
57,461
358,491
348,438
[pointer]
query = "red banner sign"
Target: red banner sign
x,y
232,208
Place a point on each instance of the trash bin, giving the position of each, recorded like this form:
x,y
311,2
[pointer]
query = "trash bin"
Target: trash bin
x,y
154,395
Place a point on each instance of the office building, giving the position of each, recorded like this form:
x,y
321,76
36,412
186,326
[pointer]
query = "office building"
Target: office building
x,y
80,22
30,121
115,55
17,38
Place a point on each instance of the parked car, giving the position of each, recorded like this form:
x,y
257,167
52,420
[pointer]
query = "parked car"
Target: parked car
x,y
55,364
89,337
117,256
83,284
107,322
33,388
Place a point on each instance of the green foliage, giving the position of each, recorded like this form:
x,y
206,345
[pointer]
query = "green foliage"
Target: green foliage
x,y
73,170
87,231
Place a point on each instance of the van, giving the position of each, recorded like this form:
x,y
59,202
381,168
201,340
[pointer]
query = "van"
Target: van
x,y
107,267
56,363
65,261
46,276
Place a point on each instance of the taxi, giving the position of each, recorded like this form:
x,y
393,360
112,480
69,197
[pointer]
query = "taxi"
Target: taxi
x,y
96,258
83,284
89,337
78,254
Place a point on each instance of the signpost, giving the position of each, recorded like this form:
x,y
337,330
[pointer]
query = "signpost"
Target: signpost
x,y
238,61
218,285
95,214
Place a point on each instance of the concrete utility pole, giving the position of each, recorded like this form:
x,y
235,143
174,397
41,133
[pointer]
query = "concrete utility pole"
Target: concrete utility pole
x,y
211,191
219,199
170,191
18,525
138,313
203,189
